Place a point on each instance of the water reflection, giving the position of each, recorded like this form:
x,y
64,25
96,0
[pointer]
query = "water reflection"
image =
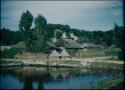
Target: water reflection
x,y
56,78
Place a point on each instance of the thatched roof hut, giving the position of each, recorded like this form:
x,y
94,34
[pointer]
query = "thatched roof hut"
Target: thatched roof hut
x,y
50,45
54,54
67,43
20,44
64,53
2,48
91,46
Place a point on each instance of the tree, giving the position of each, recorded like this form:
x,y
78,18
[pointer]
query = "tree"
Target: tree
x,y
25,24
40,24
25,27
58,34
9,37
40,32
40,21
118,34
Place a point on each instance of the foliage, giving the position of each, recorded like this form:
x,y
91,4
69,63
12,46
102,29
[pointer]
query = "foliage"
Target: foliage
x,y
10,53
40,21
43,31
109,83
118,33
10,37
58,34
25,26
97,53
26,21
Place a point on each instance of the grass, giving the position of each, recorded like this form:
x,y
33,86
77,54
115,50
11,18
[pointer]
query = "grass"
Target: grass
x,y
107,84
106,65
97,53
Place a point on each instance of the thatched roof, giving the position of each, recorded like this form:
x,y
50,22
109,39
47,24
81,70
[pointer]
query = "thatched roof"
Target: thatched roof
x,y
51,45
2,48
54,53
20,44
91,45
67,43
64,53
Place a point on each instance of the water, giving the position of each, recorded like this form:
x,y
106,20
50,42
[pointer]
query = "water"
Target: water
x,y
50,78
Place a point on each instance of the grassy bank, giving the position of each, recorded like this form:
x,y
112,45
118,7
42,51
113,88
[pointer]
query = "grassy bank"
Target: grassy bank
x,y
106,65
110,83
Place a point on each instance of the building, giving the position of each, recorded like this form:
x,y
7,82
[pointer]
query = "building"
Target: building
x,y
52,47
54,55
20,44
74,37
91,46
2,48
64,54
67,43
64,35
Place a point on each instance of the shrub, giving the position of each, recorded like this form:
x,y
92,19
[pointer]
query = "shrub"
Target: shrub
x,y
10,53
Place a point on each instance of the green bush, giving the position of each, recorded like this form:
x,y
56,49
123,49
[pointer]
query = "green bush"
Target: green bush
x,y
10,53
112,52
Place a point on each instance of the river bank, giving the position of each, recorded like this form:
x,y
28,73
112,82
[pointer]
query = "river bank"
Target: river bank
x,y
91,63
112,83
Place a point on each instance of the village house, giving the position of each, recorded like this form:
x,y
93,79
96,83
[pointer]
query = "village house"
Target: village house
x,y
62,55
54,55
2,48
91,46
20,44
74,37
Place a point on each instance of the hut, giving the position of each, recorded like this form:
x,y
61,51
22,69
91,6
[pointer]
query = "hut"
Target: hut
x,y
70,45
67,43
64,54
20,44
54,55
51,46
2,48
73,37
91,46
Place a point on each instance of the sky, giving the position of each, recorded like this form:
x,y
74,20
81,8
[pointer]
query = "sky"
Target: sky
x,y
84,15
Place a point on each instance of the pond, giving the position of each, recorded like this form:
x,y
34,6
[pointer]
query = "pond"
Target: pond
x,y
51,78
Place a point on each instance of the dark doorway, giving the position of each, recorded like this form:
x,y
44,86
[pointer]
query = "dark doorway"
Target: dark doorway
x,y
60,57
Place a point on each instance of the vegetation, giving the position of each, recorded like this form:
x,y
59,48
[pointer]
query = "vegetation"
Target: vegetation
x,y
36,37
10,37
10,53
106,65
108,84
97,53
